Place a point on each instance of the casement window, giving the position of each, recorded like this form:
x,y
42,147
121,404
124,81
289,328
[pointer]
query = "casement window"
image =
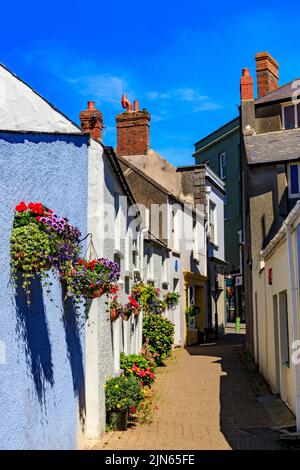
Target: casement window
x,y
223,165
212,223
294,180
290,116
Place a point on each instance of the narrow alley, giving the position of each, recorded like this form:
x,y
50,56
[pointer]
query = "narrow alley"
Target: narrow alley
x,y
210,397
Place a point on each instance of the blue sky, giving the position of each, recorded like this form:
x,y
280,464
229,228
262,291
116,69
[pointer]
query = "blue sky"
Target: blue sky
x,y
181,60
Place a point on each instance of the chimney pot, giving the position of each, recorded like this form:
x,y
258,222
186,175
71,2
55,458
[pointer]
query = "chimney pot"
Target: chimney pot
x,y
91,104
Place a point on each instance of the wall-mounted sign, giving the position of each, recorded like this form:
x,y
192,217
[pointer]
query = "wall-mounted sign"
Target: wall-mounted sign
x,y
239,280
176,265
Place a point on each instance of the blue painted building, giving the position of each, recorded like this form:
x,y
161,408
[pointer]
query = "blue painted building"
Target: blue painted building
x,y
43,157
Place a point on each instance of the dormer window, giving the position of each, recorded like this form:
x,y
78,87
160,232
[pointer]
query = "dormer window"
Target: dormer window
x,y
290,116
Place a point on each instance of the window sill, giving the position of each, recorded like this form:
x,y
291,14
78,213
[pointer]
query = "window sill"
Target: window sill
x,y
176,253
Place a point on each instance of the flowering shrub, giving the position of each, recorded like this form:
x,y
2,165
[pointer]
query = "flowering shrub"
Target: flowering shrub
x,y
138,366
91,279
122,393
171,299
40,240
160,335
151,357
147,407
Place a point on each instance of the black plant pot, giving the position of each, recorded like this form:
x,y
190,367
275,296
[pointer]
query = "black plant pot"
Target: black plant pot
x,y
117,420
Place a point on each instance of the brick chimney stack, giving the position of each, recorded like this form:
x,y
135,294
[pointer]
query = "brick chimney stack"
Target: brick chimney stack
x,y
267,73
133,128
247,103
246,86
91,121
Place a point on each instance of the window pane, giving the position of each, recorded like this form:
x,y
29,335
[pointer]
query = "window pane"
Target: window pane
x,y
223,163
289,117
294,175
298,109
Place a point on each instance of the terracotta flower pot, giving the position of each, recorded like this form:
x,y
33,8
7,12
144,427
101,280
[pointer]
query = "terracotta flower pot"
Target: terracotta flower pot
x,y
93,294
114,314
98,293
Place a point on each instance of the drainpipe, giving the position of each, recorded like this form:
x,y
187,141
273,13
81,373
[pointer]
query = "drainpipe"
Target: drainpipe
x,y
287,226
143,234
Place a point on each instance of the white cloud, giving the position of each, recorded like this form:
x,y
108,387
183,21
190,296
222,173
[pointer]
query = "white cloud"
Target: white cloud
x,y
179,97
101,87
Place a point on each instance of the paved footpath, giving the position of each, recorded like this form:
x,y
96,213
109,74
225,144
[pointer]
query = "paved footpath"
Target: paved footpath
x,y
209,397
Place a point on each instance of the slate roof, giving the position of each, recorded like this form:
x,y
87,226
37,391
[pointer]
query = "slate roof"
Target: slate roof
x,y
273,147
282,93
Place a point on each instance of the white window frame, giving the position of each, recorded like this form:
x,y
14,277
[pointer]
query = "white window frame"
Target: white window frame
x,y
293,195
223,165
212,222
285,105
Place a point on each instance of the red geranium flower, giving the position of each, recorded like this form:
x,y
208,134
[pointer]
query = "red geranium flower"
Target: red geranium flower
x,y
21,207
36,208
80,261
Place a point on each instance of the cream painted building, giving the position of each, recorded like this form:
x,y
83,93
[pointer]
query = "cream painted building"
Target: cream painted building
x,y
276,288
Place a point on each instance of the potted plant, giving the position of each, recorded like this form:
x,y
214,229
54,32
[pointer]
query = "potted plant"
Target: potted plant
x,y
91,279
191,312
148,298
130,308
40,240
115,309
171,299
121,394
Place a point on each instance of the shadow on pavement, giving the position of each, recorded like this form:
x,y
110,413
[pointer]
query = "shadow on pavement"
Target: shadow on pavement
x,y
246,419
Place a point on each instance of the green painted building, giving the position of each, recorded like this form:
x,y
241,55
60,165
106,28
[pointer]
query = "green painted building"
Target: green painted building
x,y
221,150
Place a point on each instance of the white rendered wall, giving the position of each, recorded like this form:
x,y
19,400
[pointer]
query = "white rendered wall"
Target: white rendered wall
x,y
23,109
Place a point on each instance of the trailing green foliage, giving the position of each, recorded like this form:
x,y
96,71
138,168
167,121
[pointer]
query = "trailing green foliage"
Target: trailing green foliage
x,y
171,299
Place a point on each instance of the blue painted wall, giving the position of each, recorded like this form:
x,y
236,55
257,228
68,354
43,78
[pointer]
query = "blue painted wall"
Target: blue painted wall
x,y
42,382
